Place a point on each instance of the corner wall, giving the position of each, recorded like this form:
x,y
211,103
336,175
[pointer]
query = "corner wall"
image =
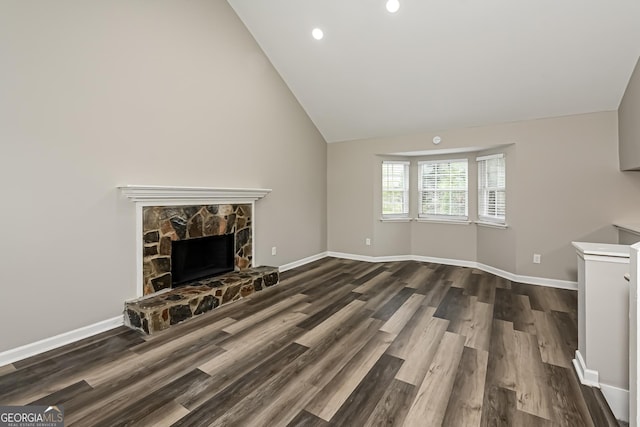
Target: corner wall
x,y
99,94
563,185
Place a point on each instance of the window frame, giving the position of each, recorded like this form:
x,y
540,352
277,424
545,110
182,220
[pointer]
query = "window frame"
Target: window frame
x,y
405,191
421,190
484,189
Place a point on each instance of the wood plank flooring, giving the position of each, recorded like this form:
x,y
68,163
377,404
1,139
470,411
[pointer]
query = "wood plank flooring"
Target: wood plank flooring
x,y
336,343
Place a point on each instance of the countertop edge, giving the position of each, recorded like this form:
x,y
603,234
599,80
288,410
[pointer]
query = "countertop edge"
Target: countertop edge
x,y
603,249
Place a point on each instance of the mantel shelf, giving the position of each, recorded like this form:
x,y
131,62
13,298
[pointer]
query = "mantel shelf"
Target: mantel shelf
x,y
158,194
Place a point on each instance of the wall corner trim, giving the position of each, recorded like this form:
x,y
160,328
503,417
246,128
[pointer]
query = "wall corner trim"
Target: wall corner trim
x,y
617,398
32,349
587,376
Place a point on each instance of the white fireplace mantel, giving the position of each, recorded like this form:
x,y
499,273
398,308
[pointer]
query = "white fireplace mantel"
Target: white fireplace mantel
x,y
158,195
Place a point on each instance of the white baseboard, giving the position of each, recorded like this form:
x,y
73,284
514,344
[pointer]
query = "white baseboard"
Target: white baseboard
x,y
47,344
446,261
530,280
618,400
587,376
302,261
367,258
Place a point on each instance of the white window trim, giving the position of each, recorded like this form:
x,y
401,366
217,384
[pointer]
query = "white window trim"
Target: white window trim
x,y
399,216
486,220
490,156
442,218
444,221
395,219
502,226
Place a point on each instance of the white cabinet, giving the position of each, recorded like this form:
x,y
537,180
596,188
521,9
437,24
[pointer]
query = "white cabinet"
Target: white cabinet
x,y
634,329
602,359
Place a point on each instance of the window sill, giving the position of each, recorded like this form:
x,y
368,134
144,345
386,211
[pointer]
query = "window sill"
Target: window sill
x,y
383,219
444,221
447,221
491,224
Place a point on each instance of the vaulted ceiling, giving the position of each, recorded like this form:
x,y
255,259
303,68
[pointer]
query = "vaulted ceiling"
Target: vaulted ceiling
x,y
438,64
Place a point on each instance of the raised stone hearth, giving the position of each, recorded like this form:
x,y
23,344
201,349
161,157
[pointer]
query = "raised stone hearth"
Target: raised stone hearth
x,y
158,312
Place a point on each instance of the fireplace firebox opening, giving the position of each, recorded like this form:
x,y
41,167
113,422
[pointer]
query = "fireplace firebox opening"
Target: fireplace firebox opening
x,y
197,258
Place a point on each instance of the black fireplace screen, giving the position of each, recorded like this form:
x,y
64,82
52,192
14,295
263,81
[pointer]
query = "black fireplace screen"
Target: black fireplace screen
x,y
202,257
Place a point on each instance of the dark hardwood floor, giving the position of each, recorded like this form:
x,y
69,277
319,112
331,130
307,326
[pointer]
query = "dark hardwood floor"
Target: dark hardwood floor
x,y
336,343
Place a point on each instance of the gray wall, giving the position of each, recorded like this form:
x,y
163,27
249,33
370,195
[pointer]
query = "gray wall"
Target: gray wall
x,y
627,238
99,94
563,185
629,123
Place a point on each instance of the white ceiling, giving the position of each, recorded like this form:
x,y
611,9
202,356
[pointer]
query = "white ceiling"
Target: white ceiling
x,y
439,64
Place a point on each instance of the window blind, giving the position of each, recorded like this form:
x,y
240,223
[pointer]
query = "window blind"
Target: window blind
x,y
492,188
443,189
395,189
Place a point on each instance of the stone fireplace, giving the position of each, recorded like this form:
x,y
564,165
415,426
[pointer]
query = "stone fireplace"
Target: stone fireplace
x,y
162,225
167,217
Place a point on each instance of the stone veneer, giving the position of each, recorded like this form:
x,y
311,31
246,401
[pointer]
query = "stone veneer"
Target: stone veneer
x,y
162,224
157,312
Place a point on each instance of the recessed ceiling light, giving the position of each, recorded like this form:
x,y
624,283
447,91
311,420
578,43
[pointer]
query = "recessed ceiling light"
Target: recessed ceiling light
x,y
393,6
317,34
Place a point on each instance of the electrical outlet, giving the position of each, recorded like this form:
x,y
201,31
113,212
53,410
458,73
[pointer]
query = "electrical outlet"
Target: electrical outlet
x,y
536,258
367,241
274,250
